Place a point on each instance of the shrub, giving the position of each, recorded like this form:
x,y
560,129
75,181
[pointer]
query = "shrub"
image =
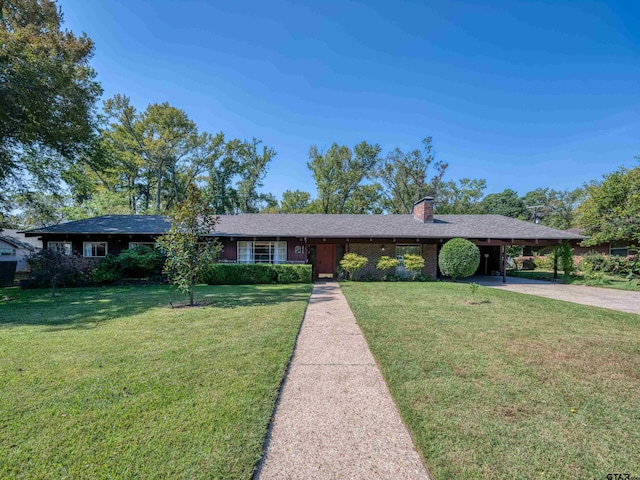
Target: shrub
x,y
352,262
413,263
293,273
621,266
251,274
53,269
139,262
108,270
459,258
386,263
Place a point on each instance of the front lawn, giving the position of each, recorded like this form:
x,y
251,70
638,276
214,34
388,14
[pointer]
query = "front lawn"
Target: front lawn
x,y
113,383
513,386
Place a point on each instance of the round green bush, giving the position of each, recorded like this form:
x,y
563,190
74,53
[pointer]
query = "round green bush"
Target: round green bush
x,y
459,258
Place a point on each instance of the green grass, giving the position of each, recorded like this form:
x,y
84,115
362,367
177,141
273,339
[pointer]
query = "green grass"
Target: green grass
x,y
609,281
112,383
514,386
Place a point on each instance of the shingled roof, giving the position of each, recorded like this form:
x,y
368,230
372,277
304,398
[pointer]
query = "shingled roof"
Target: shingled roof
x,y
325,226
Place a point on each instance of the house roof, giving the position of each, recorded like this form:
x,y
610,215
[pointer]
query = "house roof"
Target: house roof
x,y
327,226
16,242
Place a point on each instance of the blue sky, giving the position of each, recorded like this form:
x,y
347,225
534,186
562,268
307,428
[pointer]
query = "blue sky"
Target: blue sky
x,y
521,93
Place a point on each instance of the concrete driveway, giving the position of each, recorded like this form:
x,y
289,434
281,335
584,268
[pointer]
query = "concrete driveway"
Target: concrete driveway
x,y
610,298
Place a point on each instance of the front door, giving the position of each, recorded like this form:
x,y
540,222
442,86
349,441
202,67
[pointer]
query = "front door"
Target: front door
x,y
325,261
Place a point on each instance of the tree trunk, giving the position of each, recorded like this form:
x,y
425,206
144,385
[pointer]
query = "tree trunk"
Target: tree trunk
x,y
555,264
191,293
158,190
53,288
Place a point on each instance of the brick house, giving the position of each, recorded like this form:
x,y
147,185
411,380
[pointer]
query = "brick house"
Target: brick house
x,y
318,239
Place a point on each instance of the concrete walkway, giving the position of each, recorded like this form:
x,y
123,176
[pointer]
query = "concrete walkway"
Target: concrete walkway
x,y
610,298
335,418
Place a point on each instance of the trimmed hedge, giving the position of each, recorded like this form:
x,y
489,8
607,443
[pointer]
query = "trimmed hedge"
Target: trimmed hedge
x,y
459,258
256,273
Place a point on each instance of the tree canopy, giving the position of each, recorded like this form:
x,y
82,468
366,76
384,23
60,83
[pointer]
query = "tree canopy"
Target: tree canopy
x,y
48,92
339,172
506,203
611,210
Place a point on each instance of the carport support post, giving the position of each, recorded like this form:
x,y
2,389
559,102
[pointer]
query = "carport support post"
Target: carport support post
x,y
504,264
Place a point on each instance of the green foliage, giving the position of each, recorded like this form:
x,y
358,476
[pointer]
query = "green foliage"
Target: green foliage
x,y
108,270
139,262
186,256
414,264
473,286
352,262
404,176
47,92
614,265
564,257
612,209
50,268
459,258
386,263
295,201
562,253
249,274
556,209
339,172
460,198
506,203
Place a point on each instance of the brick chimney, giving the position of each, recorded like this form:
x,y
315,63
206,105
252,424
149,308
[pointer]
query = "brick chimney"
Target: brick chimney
x,y
423,210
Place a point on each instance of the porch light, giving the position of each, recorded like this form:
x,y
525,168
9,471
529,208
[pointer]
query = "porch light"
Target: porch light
x,y
382,248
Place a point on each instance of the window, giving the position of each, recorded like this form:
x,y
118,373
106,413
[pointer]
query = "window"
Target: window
x,y
262,252
150,245
62,247
7,251
619,251
401,251
94,249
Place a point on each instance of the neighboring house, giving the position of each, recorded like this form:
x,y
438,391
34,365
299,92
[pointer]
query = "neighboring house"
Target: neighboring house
x,y
14,246
318,239
617,248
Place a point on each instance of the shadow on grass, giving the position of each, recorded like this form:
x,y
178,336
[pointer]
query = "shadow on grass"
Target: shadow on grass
x,y
78,308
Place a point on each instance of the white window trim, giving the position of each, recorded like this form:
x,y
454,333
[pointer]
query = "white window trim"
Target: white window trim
x,y
84,249
64,244
245,252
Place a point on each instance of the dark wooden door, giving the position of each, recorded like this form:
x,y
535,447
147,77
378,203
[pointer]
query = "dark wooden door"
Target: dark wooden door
x,y
325,261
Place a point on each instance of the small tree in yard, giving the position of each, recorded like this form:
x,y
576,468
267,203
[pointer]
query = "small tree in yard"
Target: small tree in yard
x,y
186,256
50,267
459,258
386,263
414,264
352,262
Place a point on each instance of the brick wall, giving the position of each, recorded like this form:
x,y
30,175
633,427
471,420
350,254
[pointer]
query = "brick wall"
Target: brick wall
x,y
373,253
423,210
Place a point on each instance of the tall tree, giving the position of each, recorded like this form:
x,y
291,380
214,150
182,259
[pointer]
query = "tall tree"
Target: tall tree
x,y
47,96
553,208
234,177
611,210
159,151
252,170
339,171
295,201
506,203
462,197
405,176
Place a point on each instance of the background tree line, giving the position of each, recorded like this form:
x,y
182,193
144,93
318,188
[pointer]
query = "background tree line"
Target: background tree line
x,y
64,158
